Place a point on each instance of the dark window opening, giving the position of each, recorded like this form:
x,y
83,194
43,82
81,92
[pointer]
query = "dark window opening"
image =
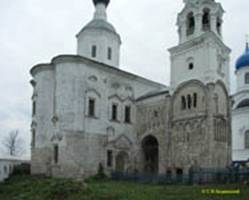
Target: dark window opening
x,y
114,112
190,23
179,174
206,20
191,66
189,102
247,78
247,139
91,108
34,108
169,173
94,51
183,103
109,56
56,153
195,100
155,113
218,25
33,138
127,114
109,158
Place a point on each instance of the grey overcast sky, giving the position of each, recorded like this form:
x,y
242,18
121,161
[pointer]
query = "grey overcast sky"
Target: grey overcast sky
x,y
34,31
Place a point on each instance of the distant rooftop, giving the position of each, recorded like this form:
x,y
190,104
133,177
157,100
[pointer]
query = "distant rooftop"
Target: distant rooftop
x,y
8,157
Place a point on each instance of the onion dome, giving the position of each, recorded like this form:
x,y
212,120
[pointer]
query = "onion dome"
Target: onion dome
x,y
243,60
106,2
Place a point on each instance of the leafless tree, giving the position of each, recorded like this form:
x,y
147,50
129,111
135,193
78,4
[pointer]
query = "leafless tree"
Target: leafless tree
x,y
13,144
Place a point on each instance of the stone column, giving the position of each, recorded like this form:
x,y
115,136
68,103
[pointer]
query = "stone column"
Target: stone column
x,y
213,19
198,18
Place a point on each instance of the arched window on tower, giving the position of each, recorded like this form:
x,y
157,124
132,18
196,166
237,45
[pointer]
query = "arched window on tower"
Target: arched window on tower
x,y
190,23
183,103
218,25
94,51
206,19
247,139
247,78
195,100
189,101
109,53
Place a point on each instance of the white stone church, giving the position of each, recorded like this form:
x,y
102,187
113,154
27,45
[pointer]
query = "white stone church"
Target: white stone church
x,y
87,111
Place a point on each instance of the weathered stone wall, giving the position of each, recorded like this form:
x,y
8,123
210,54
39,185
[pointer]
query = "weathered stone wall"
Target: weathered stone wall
x,y
79,155
41,159
153,120
201,134
42,126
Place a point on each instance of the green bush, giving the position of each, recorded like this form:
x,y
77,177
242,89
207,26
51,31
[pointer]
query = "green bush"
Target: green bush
x,y
63,189
99,176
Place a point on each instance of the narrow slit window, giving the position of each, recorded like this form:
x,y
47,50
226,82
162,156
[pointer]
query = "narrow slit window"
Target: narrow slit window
x,y
114,112
109,158
183,103
247,139
33,138
195,100
189,102
91,108
247,78
56,153
109,56
218,25
34,108
94,51
127,114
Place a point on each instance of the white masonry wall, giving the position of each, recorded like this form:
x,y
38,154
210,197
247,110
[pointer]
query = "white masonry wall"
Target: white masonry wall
x,y
240,124
6,168
76,82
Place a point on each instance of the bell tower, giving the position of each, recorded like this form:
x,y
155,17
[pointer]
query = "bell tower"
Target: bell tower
x,y
201,53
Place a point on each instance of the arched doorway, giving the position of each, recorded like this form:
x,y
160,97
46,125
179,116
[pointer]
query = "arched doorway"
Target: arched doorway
x,y
150,154
121,161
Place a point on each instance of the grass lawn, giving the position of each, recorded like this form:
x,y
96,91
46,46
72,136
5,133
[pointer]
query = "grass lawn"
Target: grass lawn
x,y
34,188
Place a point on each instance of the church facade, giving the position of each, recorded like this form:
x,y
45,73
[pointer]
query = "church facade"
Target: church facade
x,y
240,112
87,111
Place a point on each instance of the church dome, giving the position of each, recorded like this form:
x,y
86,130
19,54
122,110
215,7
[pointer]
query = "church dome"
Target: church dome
x,y
243,60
